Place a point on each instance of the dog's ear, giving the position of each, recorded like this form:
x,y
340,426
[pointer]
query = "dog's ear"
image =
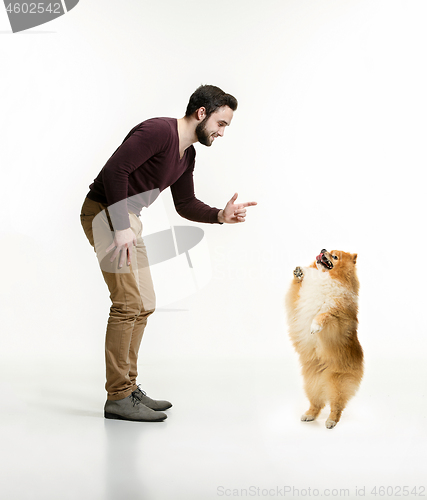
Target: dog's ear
x,y
354,258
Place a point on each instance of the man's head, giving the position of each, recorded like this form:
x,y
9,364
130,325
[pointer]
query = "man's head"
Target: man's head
x,y
213,110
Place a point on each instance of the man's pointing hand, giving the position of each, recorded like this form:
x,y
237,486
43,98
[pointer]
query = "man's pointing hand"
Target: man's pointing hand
x,y
234,212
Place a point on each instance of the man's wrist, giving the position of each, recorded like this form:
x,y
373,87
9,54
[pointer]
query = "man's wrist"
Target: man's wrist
x,y
221,219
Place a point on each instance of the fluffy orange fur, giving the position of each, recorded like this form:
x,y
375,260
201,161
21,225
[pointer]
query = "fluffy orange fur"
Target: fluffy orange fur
x,y
322,311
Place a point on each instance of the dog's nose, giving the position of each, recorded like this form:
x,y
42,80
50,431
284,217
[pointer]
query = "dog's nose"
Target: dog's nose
x,y
323,251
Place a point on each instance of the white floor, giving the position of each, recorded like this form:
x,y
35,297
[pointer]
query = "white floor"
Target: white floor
x,y
233,432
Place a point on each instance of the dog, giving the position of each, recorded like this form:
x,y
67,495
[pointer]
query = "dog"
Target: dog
x,y
322,307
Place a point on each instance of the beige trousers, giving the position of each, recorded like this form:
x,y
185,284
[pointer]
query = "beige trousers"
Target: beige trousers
x,y
132,298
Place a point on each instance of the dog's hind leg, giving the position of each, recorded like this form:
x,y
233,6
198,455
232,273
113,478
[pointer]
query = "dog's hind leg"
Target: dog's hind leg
x,y
342,386
313,412
314,386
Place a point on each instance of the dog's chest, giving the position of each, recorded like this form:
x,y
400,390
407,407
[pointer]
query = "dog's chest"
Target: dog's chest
x,y
317,294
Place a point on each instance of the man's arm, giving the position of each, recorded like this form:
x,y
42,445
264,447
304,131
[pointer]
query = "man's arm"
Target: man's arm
x,y
189,207
186,203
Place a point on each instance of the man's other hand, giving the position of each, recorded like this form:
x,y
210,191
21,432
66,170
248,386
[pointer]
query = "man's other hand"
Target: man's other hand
x,y
123,242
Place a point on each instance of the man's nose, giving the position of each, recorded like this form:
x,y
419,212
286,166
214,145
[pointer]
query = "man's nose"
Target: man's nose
x,y
220,132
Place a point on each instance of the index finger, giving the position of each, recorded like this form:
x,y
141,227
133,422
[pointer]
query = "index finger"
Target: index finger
x,y
110,247
115,253
248,204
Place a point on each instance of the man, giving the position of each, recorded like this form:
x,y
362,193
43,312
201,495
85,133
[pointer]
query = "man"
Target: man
x,y
156,154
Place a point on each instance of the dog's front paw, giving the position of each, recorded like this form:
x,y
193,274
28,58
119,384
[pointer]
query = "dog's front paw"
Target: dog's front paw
x,y
315,327
299,274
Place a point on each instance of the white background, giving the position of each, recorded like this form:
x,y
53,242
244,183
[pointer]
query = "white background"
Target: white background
x,y
328,138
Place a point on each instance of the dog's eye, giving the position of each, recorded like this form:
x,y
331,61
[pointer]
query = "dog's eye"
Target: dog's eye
x,y
335,257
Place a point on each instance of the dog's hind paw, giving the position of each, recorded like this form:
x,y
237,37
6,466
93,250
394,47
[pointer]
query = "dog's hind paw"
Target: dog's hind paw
x,y
307,418
330,424
298,273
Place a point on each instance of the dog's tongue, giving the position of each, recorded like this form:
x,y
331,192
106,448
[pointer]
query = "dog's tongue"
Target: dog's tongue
x,y
319,257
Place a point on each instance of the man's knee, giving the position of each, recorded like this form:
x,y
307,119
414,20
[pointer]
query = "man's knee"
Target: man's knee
x,y
127,309
147,312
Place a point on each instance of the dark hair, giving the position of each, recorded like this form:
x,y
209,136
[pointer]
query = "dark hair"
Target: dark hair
x,y
211,98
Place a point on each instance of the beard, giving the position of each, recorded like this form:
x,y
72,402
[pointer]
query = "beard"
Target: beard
x,y
202,134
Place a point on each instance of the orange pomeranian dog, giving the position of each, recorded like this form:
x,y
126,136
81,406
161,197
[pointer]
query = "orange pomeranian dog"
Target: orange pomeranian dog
x,y
322,315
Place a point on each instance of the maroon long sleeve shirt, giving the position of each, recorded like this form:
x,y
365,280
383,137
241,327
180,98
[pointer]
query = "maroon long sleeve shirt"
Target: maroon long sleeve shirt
x,y
146,163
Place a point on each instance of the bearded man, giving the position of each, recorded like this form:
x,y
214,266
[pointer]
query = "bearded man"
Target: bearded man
x,y
156,154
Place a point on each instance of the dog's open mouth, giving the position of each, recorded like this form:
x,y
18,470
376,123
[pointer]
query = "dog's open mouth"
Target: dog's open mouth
x,y
322,259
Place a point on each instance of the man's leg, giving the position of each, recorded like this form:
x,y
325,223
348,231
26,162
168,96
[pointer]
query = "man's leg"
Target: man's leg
x,y
148,301
126,312
127,309
127,321
148,298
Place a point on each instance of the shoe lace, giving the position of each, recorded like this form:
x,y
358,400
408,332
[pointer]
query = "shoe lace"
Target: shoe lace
x,y
140,390
134,398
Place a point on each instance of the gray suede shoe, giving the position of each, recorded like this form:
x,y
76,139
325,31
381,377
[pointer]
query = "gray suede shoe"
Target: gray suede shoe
x,y
131,408
157,405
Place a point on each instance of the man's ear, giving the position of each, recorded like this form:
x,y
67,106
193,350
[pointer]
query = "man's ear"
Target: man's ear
x,y
201,113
